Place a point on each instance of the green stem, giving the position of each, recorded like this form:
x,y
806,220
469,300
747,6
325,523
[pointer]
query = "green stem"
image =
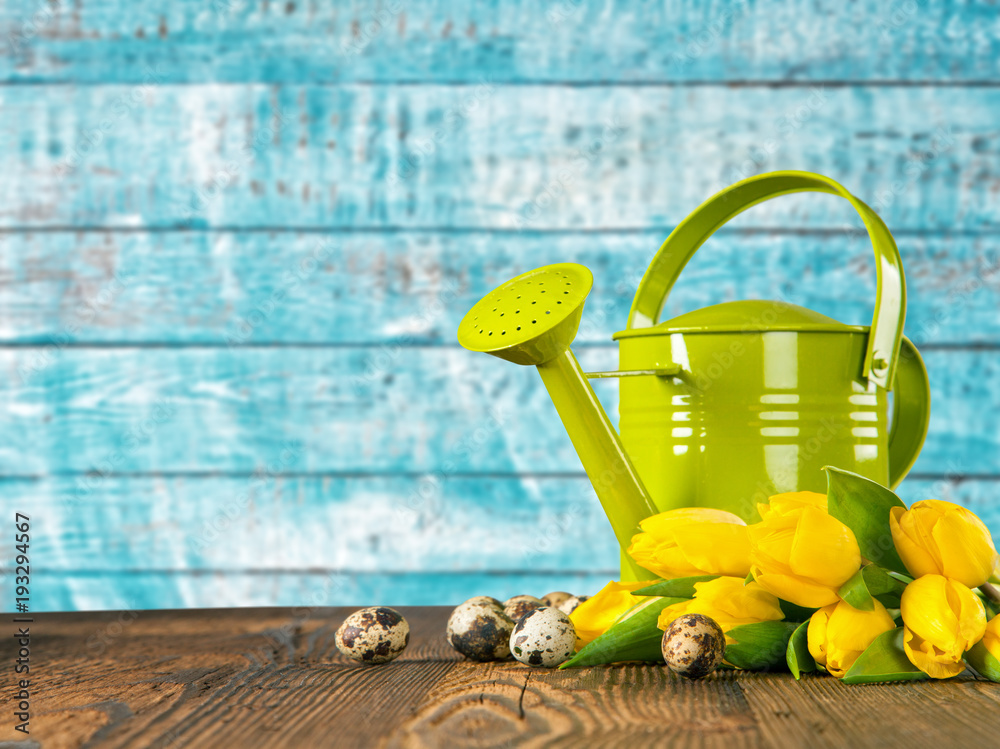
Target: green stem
x,y
991,592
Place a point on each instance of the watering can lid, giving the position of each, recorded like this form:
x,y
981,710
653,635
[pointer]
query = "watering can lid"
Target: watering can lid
x,y
747,316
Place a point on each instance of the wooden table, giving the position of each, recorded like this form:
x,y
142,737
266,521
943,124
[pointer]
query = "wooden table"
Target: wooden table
x,y
273,678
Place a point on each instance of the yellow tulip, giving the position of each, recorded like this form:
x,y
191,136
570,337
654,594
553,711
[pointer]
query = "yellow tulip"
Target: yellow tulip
x,y
593,617
692,541
802,554
935,537
728,602
839,633
783,504
942,619
991,640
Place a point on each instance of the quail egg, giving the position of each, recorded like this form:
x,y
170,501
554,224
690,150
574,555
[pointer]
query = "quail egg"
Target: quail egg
x,y
486,600
569,605
373,635
480,631
693,645
543,637
518,606
555,598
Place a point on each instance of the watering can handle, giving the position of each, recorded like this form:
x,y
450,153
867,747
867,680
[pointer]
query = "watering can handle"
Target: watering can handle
x,y
890,304
911,412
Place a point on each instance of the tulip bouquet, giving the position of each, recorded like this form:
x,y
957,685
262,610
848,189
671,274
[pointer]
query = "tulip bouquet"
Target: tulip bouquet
x,y
852,582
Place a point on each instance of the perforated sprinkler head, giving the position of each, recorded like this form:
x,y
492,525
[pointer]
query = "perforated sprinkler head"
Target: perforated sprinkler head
x,y
533,319
530,319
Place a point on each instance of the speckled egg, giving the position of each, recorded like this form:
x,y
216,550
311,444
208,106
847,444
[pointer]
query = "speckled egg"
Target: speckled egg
x,y
569,605
480,631
488,600
373,635
693,645
556,598
518,606
543,637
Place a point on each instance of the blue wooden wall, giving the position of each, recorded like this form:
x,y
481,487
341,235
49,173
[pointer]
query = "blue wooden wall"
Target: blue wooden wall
x,y
236,239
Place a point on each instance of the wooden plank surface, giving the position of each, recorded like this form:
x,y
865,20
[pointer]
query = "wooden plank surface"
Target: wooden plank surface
x,y
98,41
441,156
272,677
383,287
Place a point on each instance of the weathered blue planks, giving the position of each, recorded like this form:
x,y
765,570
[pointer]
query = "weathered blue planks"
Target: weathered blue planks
x,y
238,236
379,522
448,40
148,542
538,157
261,288
358,408
305,589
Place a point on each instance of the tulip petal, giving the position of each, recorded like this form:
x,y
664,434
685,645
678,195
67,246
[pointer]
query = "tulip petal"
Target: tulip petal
x,y
593,617
796,590
928,613
824,549
783,504
717,548
971,614
928,659
991,637
855,630
965,546
728,602
816,633
666,522
917,559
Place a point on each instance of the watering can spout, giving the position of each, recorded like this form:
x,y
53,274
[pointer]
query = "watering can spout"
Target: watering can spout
x,y
532,320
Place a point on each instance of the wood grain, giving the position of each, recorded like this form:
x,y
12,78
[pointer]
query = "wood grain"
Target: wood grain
x,y
271,677
518,42
539,157
381,287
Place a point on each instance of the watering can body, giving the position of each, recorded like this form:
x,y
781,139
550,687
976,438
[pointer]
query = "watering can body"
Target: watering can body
x,y
752,412
725,406
754,398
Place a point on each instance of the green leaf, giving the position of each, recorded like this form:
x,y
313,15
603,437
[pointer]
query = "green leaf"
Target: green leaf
x,y
884,586
855,592
634,637
749,579
797,654
884,660
863,506
983,662
681,587
872,583
760,646
795,613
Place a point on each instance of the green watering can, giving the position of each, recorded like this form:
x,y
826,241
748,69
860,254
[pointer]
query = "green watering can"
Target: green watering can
x,y
724,406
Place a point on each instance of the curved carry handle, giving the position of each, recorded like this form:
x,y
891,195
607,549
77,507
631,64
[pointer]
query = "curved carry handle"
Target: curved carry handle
x,y
691,233
911,412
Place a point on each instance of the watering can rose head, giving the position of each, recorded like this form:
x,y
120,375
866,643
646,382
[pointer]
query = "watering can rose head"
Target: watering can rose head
x,y
942,619
934,537
727,601
692,541
800,553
